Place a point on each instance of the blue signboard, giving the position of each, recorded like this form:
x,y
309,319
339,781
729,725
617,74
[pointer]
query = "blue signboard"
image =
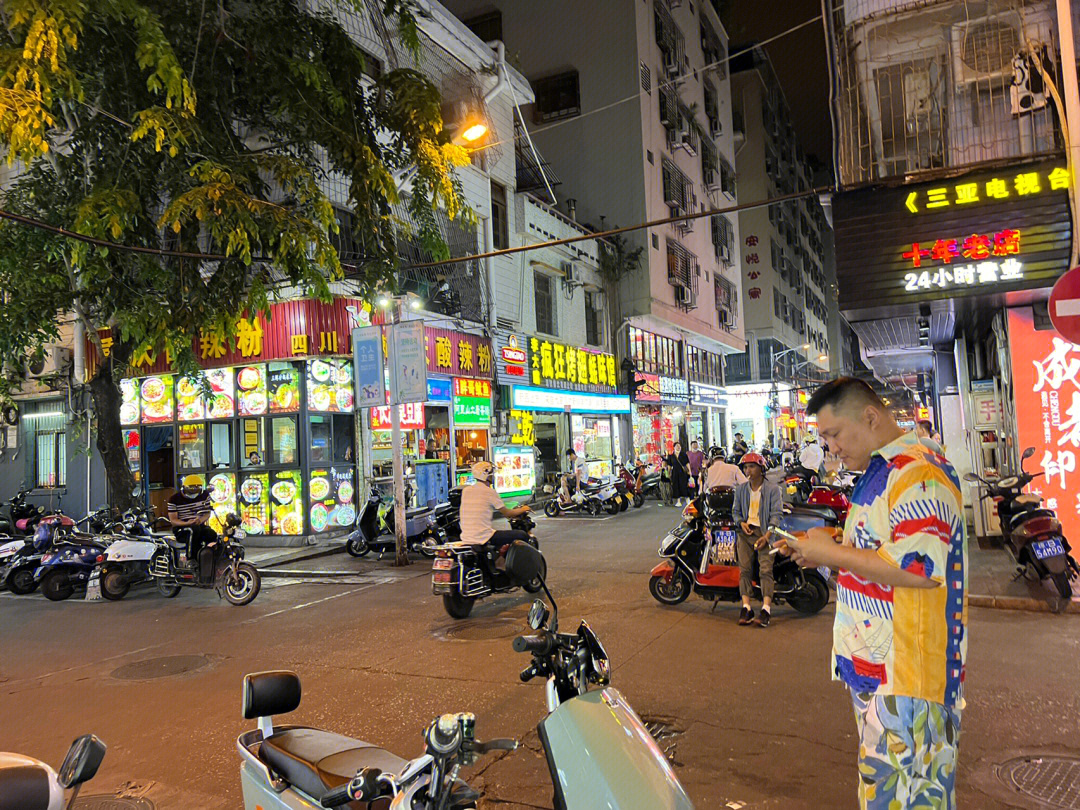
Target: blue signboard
x,y
438,389
368,365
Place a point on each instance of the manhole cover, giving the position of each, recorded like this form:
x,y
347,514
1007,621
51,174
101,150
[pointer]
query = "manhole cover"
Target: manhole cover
x,y
666,731
485,630
111,803
168,666
1052,780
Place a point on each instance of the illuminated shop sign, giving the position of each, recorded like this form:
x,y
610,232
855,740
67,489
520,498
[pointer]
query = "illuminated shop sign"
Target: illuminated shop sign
x,y
983,266
557,365
527,398
995,189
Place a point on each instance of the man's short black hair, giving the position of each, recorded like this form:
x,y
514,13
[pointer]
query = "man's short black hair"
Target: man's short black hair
x,y
840,392
570,451
926,425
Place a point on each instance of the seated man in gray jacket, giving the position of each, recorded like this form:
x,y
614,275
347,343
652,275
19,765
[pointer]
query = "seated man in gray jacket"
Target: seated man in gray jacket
x,y
758,508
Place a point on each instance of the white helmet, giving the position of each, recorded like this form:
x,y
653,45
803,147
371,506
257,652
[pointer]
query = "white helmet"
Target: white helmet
x,y
482,471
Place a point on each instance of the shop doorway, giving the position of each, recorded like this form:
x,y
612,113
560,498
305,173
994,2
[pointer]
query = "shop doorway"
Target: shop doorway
x,y
547,444
158,444
746,428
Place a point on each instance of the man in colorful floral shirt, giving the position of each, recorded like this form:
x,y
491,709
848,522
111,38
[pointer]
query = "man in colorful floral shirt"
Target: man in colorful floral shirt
x,y
899,638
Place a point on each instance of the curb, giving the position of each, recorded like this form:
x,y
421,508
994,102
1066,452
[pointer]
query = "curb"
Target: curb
x,y
296,573
298,556
1021,603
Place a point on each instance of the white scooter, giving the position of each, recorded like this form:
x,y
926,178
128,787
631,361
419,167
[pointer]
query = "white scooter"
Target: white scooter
x,y
127,560
29,784
599,752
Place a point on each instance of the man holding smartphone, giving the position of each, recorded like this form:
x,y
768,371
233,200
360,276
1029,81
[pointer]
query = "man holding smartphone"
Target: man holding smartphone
x,y
900,635
758,508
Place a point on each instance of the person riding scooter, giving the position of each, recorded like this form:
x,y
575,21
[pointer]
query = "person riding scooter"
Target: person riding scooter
x,y
577,475
189,511
478,504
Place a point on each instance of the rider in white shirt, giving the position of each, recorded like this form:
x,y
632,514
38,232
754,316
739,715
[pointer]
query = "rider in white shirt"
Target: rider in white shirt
x,y
479,502
812,456
575,477
722,474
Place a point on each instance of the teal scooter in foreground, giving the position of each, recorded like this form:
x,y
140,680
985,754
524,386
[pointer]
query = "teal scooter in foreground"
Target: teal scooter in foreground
x,y
599,752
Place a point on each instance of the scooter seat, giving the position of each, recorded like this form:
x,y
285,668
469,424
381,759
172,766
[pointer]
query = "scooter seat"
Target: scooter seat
x,y
826,512
417,512
24,783
317,761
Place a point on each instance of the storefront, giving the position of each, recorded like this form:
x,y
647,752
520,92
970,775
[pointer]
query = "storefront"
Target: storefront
x,y
273,432
661,415
709,404
755,411
555,397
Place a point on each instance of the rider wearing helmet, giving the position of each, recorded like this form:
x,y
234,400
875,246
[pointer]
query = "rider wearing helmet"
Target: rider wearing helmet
x,y
758,508
479,502
190,509
720,473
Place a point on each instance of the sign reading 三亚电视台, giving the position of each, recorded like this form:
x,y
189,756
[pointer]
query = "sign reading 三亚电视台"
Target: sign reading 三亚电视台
x,y
983,232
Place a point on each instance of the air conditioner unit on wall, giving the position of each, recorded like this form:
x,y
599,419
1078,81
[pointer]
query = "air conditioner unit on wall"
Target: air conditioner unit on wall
x,y
684,297
671,62
569,271
54,360
983,48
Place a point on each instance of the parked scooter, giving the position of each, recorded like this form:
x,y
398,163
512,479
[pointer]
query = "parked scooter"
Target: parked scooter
x,y
448,515
15,556
588,504
461,575
837,499
599,752
421,532
1032,532
648,480
127,560
700,557
623,496
630,480
21,517
67,565
30,784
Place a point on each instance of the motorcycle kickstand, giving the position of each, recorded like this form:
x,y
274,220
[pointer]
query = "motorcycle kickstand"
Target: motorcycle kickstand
x,y
715,602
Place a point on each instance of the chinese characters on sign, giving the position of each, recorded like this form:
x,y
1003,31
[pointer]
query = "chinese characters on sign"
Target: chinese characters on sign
x,y
559,366
1023,184
472,401
457,353
983,269
1046,375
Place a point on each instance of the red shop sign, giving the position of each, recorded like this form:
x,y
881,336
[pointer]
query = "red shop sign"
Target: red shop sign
x,y
1046,379
457,354
411,415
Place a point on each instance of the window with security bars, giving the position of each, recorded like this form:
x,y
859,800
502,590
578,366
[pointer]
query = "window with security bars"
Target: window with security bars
x,y
593,323
727,177
677,187
669,38
727,302
544,290
723,238
713,49
655,354
706,366
646,77
682,266
50,460
710,165
712,108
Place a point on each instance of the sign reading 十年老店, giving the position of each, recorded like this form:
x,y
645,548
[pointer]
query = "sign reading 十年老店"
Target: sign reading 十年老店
x,y
989,231
556,365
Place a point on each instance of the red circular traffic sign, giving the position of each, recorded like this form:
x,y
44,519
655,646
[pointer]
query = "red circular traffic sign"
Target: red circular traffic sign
x,y
1064,305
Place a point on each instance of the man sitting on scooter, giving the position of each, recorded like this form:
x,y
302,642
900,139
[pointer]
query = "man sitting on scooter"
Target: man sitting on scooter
x,y
479,502
575,477
190,509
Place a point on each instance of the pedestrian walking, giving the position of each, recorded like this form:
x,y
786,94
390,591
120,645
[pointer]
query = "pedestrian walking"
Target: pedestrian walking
x,y
680,474
665,481
899,636
696,460
758,507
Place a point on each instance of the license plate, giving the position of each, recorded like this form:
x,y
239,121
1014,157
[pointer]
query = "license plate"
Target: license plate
x,y
1048,548
441,577
442,565
726,536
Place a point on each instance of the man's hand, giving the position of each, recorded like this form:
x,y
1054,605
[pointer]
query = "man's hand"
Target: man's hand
x,y
746,528
761,543
811,551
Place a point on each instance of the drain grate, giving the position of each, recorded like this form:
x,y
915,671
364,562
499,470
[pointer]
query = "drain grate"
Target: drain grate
x,y
111,803
168,666
485,630
1053,780
666,731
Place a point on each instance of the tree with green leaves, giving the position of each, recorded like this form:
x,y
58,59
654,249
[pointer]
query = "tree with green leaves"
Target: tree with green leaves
x,y
206,133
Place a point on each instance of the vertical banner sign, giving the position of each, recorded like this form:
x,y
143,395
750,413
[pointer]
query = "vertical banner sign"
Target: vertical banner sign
x,y
1046,380
408,363
367,347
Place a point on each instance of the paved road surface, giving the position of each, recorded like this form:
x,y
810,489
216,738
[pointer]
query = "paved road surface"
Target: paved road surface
x,y
753,716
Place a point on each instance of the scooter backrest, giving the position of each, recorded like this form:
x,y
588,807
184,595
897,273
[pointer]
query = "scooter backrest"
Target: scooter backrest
x,y
28,784
270,693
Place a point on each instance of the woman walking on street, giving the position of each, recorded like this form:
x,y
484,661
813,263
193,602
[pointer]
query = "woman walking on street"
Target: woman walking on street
x,y
665,481
680,474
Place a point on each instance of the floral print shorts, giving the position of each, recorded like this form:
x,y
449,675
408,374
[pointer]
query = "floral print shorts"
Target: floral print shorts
x,y
907,753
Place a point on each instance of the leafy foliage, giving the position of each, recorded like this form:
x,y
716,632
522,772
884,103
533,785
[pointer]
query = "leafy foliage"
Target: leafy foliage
x,y
202,127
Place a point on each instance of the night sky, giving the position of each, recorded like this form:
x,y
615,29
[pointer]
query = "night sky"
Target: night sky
x,y
799,61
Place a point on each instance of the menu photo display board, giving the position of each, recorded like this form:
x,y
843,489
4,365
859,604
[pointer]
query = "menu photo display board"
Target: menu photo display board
x,y
515,471
222,488
255,503
329,385
156,395
129,402
286,504
331,493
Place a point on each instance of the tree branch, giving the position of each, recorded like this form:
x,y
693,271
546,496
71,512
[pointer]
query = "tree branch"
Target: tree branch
x,y
80,312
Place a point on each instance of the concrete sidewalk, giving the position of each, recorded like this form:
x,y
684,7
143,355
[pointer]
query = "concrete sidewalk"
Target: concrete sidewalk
x,y
268,557
992,582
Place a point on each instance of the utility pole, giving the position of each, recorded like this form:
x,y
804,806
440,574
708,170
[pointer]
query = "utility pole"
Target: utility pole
x,y
401,556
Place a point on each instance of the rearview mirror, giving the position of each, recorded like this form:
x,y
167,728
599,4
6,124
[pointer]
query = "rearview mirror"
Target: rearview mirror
x,y
1029,452
523,562
82,761
538,614
232,519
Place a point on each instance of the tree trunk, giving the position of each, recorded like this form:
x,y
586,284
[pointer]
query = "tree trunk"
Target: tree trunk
x,y
110,438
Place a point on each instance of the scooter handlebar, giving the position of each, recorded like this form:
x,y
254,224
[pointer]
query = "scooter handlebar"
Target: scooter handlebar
x,y
537,645
337,796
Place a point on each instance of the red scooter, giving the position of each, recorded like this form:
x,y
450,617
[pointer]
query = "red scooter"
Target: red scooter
x,y
834,498
633,485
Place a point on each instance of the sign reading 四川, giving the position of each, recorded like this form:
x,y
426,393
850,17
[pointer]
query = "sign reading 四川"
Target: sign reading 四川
x,y
1046,385
991,231
556,365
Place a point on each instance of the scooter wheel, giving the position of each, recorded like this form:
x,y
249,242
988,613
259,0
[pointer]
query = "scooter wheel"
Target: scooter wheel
x,y
244,586
612,507
428,545
358,547
551,509
671,592
639,500
56,586
1064,587
114,585
458,606
167,589
595,508
624,504
812,598
21,581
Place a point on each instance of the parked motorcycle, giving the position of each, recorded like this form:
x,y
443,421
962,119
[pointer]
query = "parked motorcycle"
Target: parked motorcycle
x,y
67,565
700,557
422,534
127,559
448,515
799,483
623,493
834,498
218,565
21,517
15,557
588,504
599,752
629,479
648,480
1032,532
30,784
461,574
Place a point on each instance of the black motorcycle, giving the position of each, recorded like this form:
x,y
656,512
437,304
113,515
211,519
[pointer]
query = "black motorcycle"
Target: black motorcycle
x,y
461,575
21,517
376,533
219,564
1032,533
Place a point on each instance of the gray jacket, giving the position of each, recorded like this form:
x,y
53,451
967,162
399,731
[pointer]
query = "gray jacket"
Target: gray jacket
x,y
771,509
